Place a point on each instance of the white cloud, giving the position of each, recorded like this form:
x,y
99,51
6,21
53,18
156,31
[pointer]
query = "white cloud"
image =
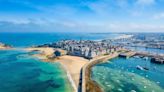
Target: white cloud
x,y
159,16
101,7
145,2
133,27
122,3
72,26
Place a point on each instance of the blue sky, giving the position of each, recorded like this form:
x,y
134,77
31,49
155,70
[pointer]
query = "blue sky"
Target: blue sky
x,y
81,15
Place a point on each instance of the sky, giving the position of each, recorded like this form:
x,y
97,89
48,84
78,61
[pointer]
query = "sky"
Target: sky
x,y
81,15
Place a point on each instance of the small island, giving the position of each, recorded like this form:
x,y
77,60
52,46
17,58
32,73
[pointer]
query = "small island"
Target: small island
x,y
4,46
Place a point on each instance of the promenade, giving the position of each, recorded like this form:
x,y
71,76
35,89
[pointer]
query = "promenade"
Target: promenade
x,y
89,85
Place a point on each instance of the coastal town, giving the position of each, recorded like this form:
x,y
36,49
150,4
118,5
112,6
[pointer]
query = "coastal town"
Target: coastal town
x,y
82,55
84,48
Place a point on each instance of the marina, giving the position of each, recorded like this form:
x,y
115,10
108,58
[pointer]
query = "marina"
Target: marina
x,y
116,74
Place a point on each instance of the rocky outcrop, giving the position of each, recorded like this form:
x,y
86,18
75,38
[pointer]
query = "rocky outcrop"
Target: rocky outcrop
x,y
4,46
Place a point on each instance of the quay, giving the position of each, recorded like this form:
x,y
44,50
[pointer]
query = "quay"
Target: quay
x,y
88,85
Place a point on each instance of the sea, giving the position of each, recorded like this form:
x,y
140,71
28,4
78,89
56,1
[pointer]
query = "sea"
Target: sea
x,y
30,39
20,72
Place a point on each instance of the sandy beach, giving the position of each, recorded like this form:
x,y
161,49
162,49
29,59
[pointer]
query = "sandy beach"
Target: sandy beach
x,y
74,65
71,64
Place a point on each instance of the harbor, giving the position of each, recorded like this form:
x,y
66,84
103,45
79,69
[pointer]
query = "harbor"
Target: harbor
x,y
88,85
138,74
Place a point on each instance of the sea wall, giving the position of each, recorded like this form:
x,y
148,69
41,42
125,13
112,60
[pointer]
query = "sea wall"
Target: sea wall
x,y
88,85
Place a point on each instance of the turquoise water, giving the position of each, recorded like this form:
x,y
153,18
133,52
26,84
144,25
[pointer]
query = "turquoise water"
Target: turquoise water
x,y
121,75
20,72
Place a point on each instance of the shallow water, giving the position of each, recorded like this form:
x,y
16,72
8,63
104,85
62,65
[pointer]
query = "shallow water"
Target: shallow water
x,y
121,75
21,73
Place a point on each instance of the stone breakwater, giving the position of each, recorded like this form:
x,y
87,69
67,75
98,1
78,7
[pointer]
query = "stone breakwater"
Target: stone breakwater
x,y
88,85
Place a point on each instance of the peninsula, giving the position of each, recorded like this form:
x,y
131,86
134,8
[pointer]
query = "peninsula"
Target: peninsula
x,y
74,56
78,57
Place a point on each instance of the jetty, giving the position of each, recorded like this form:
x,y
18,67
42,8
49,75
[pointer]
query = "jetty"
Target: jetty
x,y
88,85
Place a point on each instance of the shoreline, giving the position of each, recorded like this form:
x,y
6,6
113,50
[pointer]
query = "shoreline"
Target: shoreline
x,y
72,65
69,78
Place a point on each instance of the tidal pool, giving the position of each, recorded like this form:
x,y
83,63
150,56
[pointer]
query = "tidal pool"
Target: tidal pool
x,y
121,75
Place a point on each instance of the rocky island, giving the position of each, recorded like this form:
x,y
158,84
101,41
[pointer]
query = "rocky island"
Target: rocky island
x,y
4,46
